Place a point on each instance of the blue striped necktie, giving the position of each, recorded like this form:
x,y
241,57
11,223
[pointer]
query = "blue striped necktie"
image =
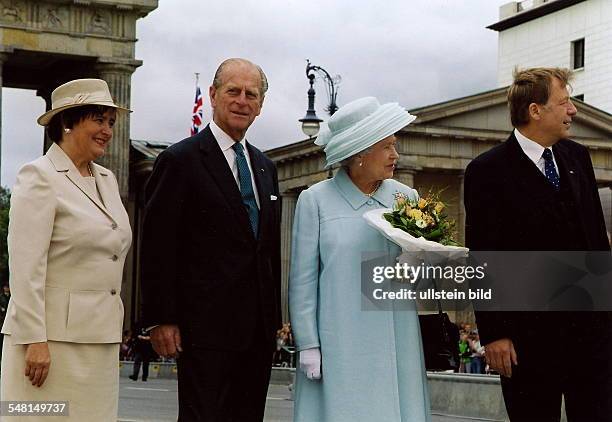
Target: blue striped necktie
x,y
549,168
246,187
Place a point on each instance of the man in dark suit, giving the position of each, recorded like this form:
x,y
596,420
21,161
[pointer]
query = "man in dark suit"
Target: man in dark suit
x,y
211,256
537,192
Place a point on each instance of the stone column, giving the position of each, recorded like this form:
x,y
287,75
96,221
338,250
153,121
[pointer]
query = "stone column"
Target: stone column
x,y
45,94
117,158
461,210
289,199
405,176
463,315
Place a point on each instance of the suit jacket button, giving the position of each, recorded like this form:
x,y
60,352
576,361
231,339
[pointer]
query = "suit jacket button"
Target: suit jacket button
x,y
115,257
114,226
113,292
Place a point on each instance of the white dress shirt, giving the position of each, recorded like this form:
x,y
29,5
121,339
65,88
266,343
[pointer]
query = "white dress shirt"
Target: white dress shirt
x,y
534,151
225,143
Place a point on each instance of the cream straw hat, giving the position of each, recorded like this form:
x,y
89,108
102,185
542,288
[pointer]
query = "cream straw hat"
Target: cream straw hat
x,y
78,93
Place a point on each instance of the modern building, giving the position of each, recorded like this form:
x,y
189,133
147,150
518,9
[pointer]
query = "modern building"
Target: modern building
x,y
576,34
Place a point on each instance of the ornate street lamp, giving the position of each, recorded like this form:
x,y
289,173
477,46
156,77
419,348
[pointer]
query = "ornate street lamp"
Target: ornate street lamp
x,y
310,122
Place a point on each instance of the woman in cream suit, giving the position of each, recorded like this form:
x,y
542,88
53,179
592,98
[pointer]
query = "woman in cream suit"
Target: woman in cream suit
x,y
68,238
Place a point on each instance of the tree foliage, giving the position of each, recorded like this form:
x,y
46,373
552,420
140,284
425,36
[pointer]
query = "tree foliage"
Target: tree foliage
x,y
5,202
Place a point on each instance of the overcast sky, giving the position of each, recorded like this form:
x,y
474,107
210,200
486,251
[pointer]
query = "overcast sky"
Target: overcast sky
x,y
415,52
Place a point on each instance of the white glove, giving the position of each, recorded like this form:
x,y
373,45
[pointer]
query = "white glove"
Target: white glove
x,y
310,363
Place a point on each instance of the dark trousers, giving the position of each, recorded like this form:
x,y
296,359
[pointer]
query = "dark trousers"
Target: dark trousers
x,y
138,359
224,386
584,379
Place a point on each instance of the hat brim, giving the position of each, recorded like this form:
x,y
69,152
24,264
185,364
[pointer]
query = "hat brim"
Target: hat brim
x,y
45,118
390,129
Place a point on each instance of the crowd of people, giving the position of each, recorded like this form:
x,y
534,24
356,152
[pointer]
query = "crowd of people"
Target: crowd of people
x,y
471,352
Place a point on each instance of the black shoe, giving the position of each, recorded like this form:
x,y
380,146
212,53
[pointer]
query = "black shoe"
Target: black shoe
x,y
133,378
144,379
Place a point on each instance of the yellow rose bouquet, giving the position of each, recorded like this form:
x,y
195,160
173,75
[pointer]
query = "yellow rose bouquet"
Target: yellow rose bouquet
x,y
423,217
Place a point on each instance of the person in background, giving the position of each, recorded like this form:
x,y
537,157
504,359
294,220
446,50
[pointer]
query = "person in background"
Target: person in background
x,y
464,353
477,365
126,349
143,354
5,296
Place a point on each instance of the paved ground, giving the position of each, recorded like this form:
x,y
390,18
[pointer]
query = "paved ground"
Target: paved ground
x,y
156,401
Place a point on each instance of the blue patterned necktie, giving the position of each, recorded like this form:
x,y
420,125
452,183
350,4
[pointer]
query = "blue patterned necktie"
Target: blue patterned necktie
x,y
246,187
549,168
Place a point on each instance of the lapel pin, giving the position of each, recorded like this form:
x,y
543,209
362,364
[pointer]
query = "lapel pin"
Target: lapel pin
x,y
571,171
262,170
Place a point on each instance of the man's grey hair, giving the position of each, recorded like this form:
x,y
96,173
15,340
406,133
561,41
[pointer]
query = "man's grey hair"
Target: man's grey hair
x,y
217,79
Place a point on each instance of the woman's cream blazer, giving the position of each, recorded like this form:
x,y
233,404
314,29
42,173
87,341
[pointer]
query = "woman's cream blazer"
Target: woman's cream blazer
x,y
66,254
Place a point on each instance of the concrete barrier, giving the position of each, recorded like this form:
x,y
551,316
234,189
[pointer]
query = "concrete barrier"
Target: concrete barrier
x,y
463,395
460,395
452,395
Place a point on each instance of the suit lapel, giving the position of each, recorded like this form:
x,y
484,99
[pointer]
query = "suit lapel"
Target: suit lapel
x,y
569,170
103,179
215,163
64,164
526,174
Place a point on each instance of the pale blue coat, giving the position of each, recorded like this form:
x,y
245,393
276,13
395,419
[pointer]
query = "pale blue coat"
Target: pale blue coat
x,y
372,361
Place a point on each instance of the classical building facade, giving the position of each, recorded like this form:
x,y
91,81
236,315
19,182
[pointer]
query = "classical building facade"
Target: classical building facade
x,y
434,152
44,43
576,34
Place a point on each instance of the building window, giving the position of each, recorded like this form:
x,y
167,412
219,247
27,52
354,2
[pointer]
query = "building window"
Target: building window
x,y
578,54
579,97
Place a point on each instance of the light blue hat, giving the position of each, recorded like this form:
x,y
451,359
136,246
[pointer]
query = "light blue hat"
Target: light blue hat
x,y
359,125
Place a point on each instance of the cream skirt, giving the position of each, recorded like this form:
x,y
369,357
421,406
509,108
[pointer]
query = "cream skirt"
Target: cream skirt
x,y
84,375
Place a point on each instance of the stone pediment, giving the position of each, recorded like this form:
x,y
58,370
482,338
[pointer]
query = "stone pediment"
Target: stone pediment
x,y
488,111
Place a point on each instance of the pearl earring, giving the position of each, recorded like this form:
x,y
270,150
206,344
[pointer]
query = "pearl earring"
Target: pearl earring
x,y
360,163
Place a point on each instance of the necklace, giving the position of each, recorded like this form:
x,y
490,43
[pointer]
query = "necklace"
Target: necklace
x,y
91,174
369,195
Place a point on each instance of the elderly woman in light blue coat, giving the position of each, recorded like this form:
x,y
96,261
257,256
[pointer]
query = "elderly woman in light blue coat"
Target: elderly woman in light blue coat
x,y
355,365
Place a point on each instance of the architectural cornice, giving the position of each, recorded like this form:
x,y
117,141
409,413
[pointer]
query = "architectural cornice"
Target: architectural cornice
x,y
532,13
141,6
460,105
98,19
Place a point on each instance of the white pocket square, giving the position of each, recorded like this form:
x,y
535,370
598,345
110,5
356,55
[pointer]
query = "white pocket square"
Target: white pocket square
x,y
273,198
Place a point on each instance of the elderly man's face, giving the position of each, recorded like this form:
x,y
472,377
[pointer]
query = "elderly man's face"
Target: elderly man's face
x,y
237,102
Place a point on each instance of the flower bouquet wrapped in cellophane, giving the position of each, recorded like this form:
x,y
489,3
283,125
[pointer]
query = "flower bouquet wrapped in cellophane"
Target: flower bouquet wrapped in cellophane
x,y
418,225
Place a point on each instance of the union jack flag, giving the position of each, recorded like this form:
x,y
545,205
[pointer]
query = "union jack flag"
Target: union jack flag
x,y
198,112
